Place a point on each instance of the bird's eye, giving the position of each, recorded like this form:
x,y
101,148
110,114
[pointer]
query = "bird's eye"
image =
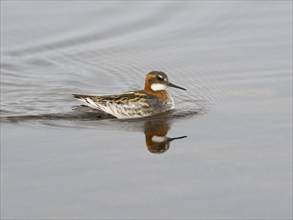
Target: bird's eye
x,y
159,77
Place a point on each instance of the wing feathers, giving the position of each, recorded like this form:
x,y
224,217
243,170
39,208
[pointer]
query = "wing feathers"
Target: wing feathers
x,y
125,105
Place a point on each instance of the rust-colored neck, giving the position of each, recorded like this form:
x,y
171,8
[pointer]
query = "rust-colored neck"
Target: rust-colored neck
x,y
162,94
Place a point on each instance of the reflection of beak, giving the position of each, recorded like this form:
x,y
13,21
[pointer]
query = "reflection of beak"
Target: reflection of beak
x,y
178,87
175,138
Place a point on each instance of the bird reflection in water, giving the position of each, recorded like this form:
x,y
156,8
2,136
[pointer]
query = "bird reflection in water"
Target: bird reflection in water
x,y
154,128
156,136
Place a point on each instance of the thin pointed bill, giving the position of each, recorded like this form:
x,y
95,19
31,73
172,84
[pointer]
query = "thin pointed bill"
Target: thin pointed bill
x,y
178,87
176,138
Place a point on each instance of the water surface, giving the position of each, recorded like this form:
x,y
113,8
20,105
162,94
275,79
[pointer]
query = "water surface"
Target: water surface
x,y
60,161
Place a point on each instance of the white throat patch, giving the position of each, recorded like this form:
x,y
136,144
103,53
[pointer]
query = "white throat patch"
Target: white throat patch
x,y
159,139
157,87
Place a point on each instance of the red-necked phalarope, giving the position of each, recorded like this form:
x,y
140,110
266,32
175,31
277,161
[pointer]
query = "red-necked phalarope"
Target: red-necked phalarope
x,y
154,99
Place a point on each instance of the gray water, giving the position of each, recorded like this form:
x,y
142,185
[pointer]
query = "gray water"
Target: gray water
x,y
61,161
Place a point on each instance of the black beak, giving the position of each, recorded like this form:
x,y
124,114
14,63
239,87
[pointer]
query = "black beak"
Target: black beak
x,y
175,138
178,87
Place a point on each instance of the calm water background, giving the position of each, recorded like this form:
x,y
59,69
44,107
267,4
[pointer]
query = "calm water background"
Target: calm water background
x,y
235,59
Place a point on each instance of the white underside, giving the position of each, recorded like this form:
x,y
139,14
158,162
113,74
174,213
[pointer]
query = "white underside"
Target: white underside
x,y
118,111
127,110
171,102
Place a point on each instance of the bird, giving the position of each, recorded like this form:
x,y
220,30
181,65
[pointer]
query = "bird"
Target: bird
x,y
152,100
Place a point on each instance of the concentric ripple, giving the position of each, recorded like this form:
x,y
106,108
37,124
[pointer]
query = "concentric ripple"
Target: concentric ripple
x,y
102,50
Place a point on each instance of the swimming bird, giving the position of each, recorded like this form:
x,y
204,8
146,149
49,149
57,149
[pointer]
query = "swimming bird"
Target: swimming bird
x,y
154,99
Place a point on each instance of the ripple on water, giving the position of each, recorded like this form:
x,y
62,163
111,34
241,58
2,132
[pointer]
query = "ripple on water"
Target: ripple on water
x,y
211,49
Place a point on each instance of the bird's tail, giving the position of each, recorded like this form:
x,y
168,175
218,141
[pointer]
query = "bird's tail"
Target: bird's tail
x,y
87,100
78,96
